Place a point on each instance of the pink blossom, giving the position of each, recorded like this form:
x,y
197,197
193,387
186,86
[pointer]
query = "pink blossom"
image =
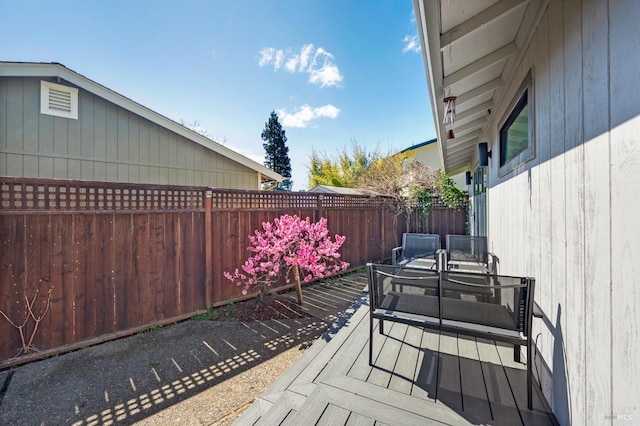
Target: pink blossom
x,y
286,245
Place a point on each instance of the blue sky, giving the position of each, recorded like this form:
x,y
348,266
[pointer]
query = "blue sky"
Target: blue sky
x,y
333,70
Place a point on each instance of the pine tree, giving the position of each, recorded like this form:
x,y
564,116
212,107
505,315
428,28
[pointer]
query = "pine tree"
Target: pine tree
x,y
277,153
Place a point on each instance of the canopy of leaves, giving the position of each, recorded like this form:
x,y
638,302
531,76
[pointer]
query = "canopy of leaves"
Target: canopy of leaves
x,y
276,151
409,183
399,179
446,191
343,171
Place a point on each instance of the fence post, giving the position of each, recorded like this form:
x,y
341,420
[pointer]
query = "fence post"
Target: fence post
x,y
208,249
381,209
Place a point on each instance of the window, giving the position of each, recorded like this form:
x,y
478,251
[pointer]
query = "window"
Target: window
x,y
516,133
58,100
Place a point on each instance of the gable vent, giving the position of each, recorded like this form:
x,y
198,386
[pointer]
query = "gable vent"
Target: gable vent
x,y
58,100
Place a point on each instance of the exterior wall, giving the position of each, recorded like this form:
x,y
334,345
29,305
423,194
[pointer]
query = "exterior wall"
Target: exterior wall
x,y
430,155
569,216
106,143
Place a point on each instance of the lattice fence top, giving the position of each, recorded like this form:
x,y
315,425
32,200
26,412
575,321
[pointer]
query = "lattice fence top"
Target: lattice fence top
x,y
18,194
40,194
270,200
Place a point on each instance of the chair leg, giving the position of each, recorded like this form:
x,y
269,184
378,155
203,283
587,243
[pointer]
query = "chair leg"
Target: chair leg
x,y
381,326
370,340
516,353
529,377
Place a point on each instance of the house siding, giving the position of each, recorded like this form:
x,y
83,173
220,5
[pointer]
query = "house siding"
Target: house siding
x,y
567,216
106,143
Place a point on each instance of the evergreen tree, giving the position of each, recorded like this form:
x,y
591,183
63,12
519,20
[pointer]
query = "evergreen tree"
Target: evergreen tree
x,y
277,152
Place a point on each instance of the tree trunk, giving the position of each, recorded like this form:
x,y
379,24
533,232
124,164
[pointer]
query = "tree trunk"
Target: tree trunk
x,y
296,272
260,298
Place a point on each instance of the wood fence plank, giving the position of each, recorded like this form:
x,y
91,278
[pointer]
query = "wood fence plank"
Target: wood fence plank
x,y
12,259
37,273
156,265
140,277
171,287
69,279
178,257
84,320
109,289
125,294
94,275
56,309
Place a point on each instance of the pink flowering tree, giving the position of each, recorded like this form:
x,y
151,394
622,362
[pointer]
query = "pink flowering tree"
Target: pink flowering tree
x,y
297,248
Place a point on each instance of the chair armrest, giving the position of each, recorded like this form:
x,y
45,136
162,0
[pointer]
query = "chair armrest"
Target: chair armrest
x,y
537,311
493,262
441,259
395,255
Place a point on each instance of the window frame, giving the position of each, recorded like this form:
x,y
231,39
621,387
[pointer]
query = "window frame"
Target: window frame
x,y
514,109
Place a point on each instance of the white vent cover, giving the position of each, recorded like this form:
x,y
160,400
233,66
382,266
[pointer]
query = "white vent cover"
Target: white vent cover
x,y
58,100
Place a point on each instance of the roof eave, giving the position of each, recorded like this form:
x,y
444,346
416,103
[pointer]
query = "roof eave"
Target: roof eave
x,y
428,24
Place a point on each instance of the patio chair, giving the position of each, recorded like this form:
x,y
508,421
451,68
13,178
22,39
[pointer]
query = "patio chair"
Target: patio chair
x,y
417,249
467,252
495,307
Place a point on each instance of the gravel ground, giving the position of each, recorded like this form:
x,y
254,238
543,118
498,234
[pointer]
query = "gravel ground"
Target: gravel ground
x,y
194,372
222,404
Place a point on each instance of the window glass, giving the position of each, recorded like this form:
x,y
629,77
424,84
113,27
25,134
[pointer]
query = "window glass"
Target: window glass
x,y
514,135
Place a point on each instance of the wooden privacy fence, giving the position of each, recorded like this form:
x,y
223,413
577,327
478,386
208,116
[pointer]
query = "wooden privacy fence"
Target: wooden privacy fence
x,y
120,257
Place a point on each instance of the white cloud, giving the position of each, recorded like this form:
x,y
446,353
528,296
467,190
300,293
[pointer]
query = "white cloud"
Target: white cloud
x,y
318,63
327,76
306,114
411,44
269,55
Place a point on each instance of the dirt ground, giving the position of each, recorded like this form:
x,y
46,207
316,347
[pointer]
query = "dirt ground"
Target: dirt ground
x,y
203,371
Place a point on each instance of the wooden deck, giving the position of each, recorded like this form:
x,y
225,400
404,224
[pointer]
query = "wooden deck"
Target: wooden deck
x,y
420,377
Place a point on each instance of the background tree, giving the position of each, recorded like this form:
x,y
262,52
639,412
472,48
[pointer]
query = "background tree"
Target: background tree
x,y
277,152
343,171
196,127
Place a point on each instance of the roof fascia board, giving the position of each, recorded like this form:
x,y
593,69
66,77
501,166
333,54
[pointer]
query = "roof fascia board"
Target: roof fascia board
x,y
57,70
427,15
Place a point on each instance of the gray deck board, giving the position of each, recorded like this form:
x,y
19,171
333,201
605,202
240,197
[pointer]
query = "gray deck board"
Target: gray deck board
x,y
405,371
349,352
333,415
449,391
315,367
516,375
325,395
385,362
419,377
499,395
474,392
426,377
356,419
